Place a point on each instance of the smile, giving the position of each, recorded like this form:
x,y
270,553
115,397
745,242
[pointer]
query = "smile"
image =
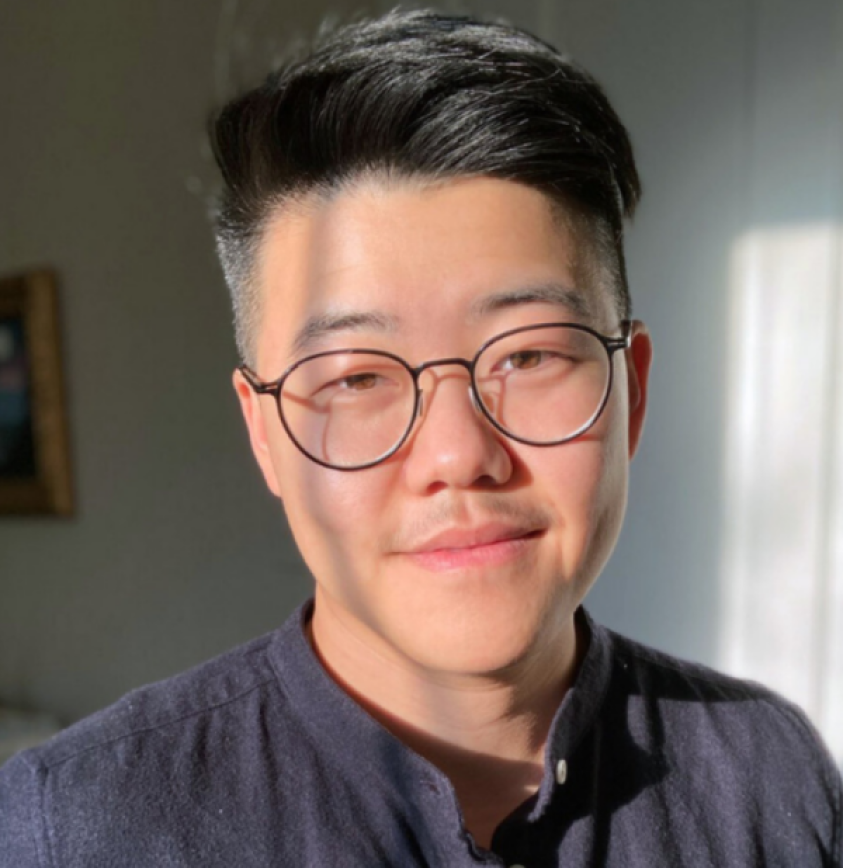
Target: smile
x,y
486,546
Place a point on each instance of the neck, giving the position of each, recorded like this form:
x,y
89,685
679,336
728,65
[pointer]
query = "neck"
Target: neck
x,y
486,731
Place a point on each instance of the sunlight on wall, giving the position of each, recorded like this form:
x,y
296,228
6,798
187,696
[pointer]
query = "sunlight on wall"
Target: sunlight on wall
x,y
782,592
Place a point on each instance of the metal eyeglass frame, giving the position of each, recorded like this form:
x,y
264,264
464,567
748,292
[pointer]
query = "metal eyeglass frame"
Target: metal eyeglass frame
x,y
274,387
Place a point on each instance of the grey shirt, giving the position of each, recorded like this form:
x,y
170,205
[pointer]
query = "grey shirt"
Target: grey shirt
x,y
257,758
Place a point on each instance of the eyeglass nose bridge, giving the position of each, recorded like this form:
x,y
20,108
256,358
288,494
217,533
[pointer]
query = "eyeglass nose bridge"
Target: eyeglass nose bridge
x,y
435,363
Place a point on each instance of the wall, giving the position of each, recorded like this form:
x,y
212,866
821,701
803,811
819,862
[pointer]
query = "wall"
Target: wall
x,y
735,113
176,551
679,73
733,549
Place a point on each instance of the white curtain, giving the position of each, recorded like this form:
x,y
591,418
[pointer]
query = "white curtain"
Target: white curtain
x,y
782,577
782,589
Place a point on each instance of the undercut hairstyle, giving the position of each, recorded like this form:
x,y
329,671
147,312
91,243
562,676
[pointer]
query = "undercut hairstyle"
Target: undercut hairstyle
x,y
423,97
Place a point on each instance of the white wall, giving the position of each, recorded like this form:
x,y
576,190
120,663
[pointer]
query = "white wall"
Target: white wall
x,y
176,551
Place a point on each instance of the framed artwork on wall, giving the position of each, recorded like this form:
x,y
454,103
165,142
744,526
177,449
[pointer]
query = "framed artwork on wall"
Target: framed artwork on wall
x,y
35,475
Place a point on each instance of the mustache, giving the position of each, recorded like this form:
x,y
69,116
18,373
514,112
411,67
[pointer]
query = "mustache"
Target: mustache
x,y
461,513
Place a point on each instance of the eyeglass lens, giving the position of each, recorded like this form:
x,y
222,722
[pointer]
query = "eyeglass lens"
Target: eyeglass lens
x,y
541,385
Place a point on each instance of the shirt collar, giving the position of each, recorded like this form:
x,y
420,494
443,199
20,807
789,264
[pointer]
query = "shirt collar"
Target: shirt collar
x,y
358,741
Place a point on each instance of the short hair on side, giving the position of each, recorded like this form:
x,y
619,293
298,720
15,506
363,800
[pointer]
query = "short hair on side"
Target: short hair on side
x,y
421,95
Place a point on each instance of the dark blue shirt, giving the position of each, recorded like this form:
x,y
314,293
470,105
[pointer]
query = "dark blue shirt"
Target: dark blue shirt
x,y
257,758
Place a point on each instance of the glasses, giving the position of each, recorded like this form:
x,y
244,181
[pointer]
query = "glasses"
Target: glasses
x,y
541,385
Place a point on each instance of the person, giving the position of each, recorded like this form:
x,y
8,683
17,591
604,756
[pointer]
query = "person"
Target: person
x,y
421,225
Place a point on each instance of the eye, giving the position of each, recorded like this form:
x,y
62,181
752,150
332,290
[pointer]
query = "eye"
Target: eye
x,y
526,360
359,382
367,383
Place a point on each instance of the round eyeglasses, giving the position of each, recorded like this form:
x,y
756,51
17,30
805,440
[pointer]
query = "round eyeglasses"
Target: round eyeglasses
x,y
350,409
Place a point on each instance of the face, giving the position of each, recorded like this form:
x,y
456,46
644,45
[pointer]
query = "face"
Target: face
x,y
465,551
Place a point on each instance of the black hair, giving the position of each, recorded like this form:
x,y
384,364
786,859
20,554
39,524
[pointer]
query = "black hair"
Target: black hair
x,y
420,95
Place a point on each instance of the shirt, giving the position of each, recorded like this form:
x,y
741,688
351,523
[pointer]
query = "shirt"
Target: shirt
x,y
258,758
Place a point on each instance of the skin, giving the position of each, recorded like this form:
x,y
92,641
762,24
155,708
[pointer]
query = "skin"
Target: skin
x,y
464,650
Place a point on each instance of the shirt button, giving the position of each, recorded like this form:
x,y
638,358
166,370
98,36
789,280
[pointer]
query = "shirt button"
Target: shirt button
x,y
561,772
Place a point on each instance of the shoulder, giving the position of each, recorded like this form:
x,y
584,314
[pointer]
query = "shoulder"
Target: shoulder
x,y
725,739
666,674
162,756
222,686
691,693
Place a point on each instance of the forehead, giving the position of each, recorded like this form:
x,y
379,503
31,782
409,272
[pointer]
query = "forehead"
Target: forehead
x,y
409,258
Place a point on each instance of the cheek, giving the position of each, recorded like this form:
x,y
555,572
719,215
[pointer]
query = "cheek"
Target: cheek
x,y
575,481
340,503
608,501
586,483
332,515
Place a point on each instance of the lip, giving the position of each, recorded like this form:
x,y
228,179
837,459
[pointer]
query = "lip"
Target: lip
x,y
481,545
470,537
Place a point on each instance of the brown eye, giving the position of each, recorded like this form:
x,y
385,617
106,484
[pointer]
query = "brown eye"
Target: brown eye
x,y
524,360
359,382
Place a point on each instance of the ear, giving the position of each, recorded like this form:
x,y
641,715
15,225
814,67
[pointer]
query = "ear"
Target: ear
x,y
639,356
252,406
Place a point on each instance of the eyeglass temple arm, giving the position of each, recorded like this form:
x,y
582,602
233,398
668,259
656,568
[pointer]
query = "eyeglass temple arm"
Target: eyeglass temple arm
x,y
255,381
624,341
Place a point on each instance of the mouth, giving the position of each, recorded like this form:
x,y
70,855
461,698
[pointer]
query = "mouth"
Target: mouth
x,y
486,545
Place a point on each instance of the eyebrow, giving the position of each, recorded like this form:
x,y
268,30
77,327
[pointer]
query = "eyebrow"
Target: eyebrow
x,y
320,325
546,293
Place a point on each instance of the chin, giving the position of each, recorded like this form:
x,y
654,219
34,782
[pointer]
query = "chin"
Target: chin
x,y
483,636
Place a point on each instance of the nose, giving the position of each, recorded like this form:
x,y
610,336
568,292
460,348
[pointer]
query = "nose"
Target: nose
x,y
454,446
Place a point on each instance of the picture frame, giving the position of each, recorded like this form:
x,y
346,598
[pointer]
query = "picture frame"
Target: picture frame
x,y
35,473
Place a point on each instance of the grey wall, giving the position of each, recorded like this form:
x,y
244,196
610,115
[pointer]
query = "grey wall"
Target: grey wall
x,y
681,74
736,115
176,551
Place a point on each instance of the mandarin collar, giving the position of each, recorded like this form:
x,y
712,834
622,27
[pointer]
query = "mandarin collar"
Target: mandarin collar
x,y
364,747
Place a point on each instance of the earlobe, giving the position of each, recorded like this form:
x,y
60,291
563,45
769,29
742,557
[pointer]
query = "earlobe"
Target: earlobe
x,y
639,357
253,416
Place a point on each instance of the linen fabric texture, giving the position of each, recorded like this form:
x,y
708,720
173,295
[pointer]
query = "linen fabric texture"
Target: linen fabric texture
x,y
257,758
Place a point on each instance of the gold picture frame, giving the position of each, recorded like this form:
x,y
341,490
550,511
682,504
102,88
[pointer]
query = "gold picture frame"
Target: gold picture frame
x,y
35,476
